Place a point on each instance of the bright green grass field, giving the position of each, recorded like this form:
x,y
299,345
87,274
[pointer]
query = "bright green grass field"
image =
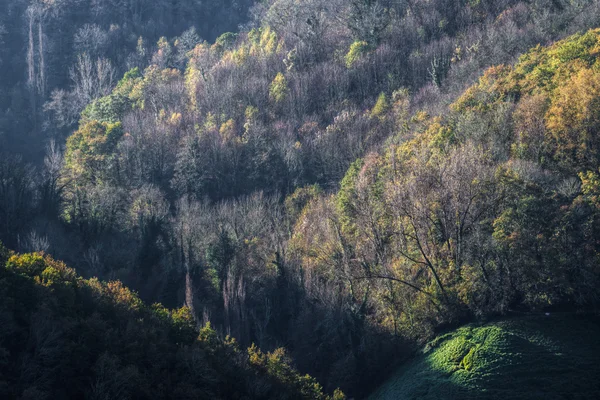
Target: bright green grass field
x,y
537,357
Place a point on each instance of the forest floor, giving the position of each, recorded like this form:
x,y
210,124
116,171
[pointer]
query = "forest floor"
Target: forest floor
x,y
550,356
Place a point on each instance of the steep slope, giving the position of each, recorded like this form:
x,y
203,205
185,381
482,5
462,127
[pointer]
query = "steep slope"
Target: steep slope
x,y
63,337
174,180
535,357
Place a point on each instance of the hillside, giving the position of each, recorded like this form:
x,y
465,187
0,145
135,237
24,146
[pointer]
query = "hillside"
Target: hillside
x,y
101,339
339,178
537,357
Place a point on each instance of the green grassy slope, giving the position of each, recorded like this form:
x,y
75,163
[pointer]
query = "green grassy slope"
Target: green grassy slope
x,y
536,357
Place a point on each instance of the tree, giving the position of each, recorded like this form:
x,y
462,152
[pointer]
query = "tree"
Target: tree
x,y
439,203
36,64
91,80
89,149
51,187
92,40
279,88
17,198
573,120
368,20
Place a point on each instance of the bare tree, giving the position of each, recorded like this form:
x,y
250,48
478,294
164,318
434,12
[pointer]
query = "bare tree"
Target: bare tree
x,y
34,242
91,39
91,80
51,188
36,68
191,221
93,261
367,20
64,109
17,195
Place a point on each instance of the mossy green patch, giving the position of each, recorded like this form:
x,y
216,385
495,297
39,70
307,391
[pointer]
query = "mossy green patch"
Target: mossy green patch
x,y
536,357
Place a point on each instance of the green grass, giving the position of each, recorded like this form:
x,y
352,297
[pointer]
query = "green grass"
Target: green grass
x,y
535,357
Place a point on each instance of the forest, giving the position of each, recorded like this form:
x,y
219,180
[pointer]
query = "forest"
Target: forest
x,y
285,199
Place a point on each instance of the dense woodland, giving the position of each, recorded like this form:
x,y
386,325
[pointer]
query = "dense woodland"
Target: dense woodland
x,y
107,344
339,178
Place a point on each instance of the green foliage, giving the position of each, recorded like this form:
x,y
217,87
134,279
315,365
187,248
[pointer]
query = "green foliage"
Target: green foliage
x,y
279,90
519,358
299,200
469,213
208,336
129,76
338,395
346,197
112,108
103,333
219,256
108,109
357,50
468,361
226,41
31,264
277,364
184,325
381,107
54,276
591,187
89,147
576,47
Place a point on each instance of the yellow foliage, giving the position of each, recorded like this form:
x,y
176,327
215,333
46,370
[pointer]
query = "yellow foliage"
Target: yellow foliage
x,y
279,88
195,74
541,70
123,296
356,51
251,113
193,78
210,122
530,127
574,118
432,139
262,42
43,268
88,147
268,41
175,119
420,116
560,83
31,264
381,107
590,186
314,240
237,56
228,131
487,91
255,356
